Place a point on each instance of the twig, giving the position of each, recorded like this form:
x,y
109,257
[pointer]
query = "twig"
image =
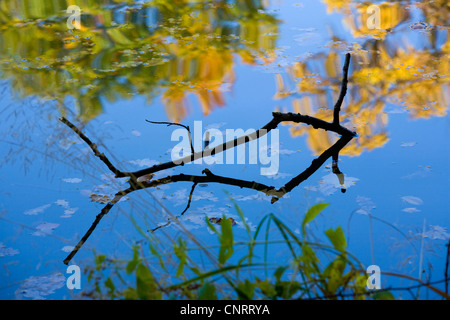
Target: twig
x,y
337,106
182,213
317,163
97,220
161,226
99,217
176,124
190,198
337,172
93,147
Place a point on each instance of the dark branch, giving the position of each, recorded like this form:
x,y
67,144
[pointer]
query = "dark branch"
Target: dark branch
x,y
99,217
93,147
190,198
337,172
161,226
337,106
119,195
182,213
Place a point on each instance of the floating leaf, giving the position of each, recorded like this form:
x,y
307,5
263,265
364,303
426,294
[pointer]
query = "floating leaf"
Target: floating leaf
x,y
413,200
72,180
411,210
408,144
437,232
99,198
4,251
145,178
38,287
35,211
67,248
45,228
144,162
219,220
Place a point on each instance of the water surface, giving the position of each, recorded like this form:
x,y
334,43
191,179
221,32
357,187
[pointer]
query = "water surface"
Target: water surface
x,y
228,64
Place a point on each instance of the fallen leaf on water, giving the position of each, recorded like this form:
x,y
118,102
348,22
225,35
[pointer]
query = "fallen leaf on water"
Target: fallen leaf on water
x,y
37,287
144,162
67,248
45,228
35,211
279,175
437,232
72,180
4,251
413,200
99,198
411,210
145,178
68,212
408,144
218,220
62,203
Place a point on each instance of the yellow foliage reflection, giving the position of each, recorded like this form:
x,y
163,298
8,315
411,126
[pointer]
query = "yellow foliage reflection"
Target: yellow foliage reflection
x,y
387,76
171,48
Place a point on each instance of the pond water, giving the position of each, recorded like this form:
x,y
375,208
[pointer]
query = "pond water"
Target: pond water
x,y
221,65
